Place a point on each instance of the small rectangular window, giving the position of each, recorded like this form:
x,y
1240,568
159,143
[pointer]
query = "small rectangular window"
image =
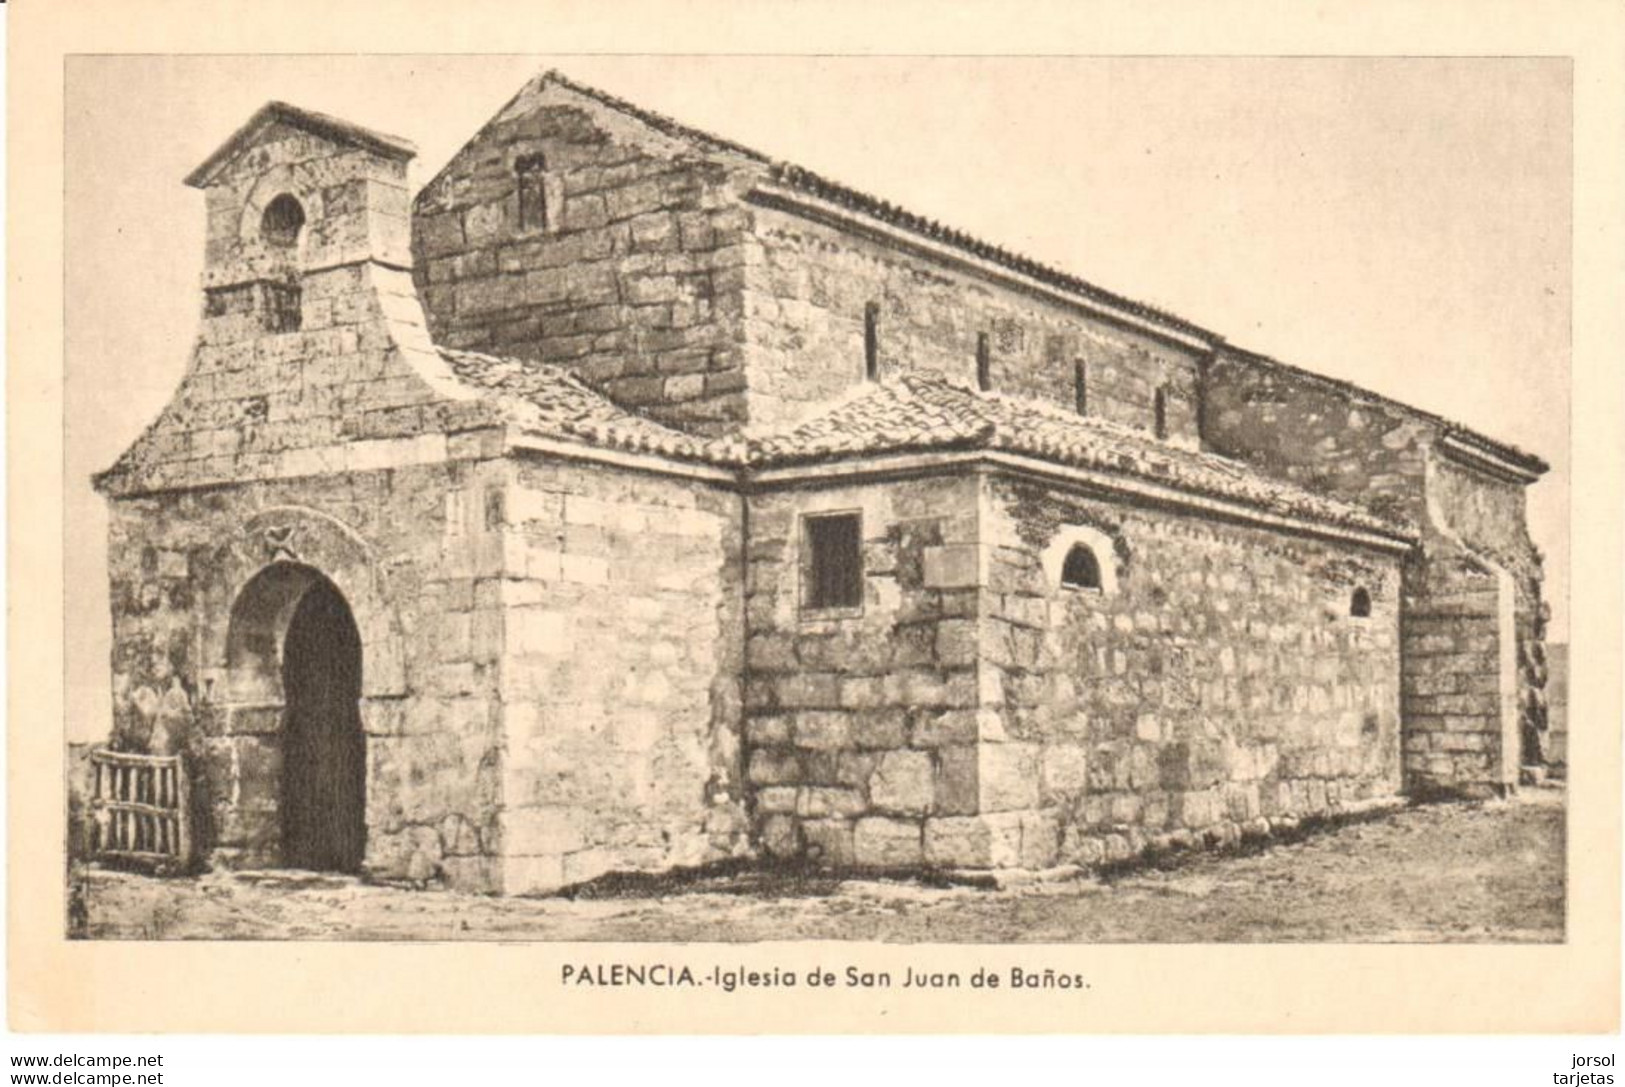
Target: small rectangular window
x,y
984,363
1080,386
834,561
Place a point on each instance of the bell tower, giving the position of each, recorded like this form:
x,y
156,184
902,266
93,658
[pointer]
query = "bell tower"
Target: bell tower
x,y
293,195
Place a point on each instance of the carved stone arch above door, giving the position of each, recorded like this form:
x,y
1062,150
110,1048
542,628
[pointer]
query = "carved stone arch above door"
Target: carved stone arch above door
x,y
269,564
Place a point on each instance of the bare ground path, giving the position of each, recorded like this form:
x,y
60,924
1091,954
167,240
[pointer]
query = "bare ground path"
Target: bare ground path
x,y
1490,872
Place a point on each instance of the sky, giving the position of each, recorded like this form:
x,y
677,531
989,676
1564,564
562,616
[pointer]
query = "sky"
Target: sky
x,y
1401,223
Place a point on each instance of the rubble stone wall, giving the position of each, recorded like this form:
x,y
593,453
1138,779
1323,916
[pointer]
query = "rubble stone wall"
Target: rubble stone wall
x,y
1216,679
633,281
622,635
1361,448
1323,437
805,299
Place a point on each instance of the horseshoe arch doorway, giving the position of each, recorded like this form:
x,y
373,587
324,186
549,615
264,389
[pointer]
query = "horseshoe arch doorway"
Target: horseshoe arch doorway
x,y
324,755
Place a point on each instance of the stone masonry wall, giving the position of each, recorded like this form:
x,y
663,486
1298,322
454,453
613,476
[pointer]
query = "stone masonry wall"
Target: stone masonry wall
x,y
1216,680
807,287
634,281
1323,437
1490,517
1459,698
861,725
623,644
352,383
315,433
976,713
193,673
1361,448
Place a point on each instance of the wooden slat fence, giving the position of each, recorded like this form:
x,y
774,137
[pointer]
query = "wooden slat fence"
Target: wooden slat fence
x,y
139,808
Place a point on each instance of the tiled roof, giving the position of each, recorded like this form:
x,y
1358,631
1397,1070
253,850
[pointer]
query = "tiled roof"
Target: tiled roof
x,y
911,413
550,402
915,412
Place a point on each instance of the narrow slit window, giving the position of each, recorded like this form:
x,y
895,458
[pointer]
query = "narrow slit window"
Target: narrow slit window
x,y
1159,412
1360,604
834,567
871,340
984,363
1080,386
532,176
1081,569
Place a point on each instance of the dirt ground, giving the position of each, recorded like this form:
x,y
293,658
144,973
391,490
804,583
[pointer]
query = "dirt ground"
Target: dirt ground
x,y
1490,872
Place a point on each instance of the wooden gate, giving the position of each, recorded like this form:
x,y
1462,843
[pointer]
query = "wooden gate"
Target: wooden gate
x,y
139,809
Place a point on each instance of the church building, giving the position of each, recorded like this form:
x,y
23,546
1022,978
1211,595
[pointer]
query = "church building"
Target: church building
x,y
627,500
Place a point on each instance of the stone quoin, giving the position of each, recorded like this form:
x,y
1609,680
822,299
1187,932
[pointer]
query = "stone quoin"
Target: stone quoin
x,y
627,500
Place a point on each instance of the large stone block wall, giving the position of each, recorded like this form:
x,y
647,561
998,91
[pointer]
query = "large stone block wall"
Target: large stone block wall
x,y
1458,683
1490,517
661,286
809,284
356,387
195,666
623,620
1216,680
860,726
977,713
635,280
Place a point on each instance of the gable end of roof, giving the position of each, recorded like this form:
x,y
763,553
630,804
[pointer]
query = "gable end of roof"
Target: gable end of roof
x,y
339,131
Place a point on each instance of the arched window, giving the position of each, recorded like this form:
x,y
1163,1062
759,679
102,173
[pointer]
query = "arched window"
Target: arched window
x,y
282,221
1081,569
531,171
1159,412
1360,604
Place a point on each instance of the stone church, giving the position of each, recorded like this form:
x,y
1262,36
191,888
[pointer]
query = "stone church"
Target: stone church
x,y
627,500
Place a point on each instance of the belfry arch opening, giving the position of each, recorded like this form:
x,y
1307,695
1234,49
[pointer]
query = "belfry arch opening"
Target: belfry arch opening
x,y
282,221
294,642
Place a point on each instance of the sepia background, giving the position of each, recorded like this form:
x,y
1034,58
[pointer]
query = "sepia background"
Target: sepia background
x,y
1400,223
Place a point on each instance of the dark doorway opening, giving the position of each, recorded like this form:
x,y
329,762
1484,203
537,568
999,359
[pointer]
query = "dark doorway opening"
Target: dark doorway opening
x,y
324,753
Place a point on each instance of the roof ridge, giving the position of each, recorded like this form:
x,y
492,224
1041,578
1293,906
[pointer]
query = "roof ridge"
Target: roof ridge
x,y
1521,456
659,121
805,180
334,128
